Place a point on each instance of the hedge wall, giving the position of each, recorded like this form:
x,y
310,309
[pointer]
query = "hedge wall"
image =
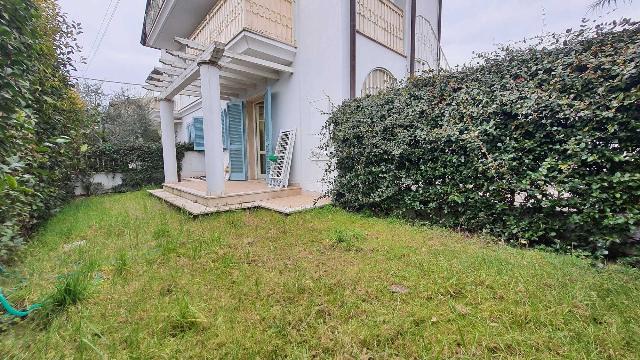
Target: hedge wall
x,y
537,145
140,164
42,122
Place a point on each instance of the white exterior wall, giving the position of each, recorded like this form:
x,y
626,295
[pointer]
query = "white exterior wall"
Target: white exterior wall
x,y
372,55
321,78
102,181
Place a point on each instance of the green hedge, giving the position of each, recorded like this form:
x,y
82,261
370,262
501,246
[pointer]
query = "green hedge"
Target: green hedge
x,y
140,164
537,146
42,122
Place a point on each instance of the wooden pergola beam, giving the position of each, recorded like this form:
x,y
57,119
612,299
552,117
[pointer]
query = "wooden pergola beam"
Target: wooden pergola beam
x,y
182,55
167,70
190,44
168,59
212,54
165,81
165,85
251,71
257,61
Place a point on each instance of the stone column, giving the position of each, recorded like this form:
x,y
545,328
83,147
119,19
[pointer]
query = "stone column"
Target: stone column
x,y
168,141
213,147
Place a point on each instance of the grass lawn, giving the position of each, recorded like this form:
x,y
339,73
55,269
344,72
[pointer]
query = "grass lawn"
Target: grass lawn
x,y
155,283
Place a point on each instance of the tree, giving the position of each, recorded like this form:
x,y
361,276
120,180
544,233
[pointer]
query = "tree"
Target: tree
x,y
602,3
128,120
95,101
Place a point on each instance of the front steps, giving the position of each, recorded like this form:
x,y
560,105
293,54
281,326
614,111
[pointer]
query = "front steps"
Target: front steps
x,y
283,201
249,195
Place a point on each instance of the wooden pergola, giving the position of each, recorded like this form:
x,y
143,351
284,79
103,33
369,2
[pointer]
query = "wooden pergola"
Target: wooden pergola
x,y
213,74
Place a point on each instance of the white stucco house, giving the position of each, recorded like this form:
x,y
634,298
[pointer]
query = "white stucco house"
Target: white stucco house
x,y
233,74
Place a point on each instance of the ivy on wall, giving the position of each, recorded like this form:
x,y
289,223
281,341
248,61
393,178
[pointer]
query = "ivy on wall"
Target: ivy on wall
x,y
537,145
140,164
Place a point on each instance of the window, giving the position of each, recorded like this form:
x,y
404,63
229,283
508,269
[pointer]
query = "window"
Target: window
x,y
377,80
195,132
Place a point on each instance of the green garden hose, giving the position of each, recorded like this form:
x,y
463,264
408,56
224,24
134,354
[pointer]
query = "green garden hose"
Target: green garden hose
x,y
13,311
10,309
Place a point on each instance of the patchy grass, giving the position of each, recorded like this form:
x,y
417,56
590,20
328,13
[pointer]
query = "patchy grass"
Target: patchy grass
x,y
134,278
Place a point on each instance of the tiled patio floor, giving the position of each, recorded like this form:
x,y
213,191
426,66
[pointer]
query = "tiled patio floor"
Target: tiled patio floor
x,y
190,195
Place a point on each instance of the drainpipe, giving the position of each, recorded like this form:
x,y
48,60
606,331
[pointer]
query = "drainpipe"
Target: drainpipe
x,y
412,54
352,48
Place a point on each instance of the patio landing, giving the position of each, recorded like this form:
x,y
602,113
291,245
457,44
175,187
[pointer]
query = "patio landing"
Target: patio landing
x,y
190,195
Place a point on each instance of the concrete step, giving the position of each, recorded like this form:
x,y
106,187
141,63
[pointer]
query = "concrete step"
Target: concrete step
x,y
299,201
194,208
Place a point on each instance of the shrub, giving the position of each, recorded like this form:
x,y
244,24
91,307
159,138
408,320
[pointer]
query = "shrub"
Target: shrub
x,y
535,145
140,164
42,122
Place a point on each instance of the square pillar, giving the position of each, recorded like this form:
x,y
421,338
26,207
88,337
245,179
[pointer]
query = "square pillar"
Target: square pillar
x,y
168,141
212,128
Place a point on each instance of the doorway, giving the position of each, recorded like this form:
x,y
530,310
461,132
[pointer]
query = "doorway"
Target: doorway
x,y
260,143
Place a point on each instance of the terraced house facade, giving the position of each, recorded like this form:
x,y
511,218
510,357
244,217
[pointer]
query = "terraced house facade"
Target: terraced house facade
x,y
250,82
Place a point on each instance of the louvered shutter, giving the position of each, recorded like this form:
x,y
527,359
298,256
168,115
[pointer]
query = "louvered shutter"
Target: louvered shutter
x,y
236,135
225,129
198,134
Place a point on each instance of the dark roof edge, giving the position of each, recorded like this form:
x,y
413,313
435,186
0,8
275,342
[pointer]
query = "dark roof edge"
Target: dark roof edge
x,y
143,37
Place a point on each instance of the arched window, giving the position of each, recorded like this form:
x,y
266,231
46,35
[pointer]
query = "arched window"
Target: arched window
x,y
377,80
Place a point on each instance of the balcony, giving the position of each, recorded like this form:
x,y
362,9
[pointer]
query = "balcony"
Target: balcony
x,y
272,19
381,21
251,41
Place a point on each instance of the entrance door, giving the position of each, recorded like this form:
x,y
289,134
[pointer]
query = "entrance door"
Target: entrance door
x,y
260,141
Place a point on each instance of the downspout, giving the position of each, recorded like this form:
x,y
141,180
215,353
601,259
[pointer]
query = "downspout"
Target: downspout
x,y
352,48
439,33
412,53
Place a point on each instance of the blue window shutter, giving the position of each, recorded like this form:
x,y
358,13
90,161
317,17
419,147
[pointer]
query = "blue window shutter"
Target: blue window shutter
x,y
225,129
236,138
198,134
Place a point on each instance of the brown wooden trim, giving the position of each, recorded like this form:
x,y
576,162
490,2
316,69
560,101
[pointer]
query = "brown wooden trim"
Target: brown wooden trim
x,y
379,43
352,48
412,53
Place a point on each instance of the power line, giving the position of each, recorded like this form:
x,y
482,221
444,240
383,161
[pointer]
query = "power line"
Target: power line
x,y
102,36
106,81
98,33
102,23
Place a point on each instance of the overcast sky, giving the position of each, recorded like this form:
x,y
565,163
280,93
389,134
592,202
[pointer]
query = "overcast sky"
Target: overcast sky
x,y
468,26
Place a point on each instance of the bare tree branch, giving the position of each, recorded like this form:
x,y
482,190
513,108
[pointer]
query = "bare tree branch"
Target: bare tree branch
x,y
603,3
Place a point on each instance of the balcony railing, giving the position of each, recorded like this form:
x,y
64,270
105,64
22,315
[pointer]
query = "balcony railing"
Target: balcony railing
x,y
270,18
429,54
382,21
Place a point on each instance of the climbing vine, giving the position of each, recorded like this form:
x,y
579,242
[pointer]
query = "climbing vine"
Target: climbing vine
x,y
537,145
42,122
140,164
